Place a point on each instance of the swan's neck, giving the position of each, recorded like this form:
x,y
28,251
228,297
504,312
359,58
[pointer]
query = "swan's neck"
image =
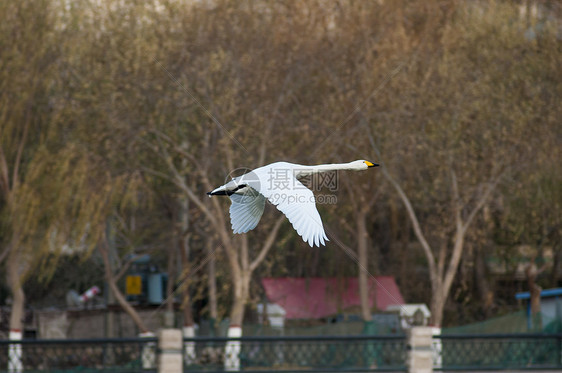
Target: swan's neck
x,y
309,170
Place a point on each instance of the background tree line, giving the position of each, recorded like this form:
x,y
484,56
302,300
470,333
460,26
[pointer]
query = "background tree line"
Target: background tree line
x,y
116,117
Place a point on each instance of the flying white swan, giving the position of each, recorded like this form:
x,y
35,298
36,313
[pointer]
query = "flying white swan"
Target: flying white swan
x,y
278,182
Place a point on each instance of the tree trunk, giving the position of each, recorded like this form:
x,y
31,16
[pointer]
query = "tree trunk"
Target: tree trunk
x,y
188,329
362,251
534,294
184,249
441,279
241,269
555,264
110,278
212,282
14,267
169,319
15,364
437,306
486,295
233,348
241,294
186,297
109,314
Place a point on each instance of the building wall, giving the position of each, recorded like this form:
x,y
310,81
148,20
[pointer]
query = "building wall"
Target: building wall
x,y
60,324
549,308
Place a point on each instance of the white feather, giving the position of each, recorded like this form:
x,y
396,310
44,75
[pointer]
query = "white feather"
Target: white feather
x,y
278,183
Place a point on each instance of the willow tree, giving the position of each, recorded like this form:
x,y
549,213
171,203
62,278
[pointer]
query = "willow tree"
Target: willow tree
x,y
54,191
28,56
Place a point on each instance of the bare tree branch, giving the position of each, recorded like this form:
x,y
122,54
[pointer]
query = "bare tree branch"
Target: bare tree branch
x,y
17,161
268,243
111,280
415,222
411,213
244,253
5,252
125,266
4,175
482,200
456,199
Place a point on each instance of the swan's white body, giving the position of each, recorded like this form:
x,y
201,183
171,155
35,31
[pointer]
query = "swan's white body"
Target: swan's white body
x,y
278,182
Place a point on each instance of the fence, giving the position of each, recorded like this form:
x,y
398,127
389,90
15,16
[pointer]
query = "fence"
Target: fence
x,y
289,354
362,353
115,355
501,351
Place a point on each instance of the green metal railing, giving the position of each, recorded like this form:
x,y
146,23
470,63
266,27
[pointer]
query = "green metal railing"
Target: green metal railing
x,y
314,354
361,353
83,355
501,351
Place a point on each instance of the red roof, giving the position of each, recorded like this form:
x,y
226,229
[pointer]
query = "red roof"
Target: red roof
x,y
313,298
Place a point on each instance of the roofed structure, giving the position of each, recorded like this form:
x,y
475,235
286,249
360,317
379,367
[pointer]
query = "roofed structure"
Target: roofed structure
x,y
314,298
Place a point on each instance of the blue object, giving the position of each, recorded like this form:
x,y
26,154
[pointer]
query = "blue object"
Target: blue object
x,y
544,293
155,288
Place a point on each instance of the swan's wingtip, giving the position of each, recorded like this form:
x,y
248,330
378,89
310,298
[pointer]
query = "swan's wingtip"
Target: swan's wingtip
x,y
318,242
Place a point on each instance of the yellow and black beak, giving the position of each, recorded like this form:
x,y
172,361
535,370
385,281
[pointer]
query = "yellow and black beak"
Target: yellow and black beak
x,y
371,164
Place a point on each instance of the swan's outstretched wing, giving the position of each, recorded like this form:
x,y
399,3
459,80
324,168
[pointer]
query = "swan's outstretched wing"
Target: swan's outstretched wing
x,y
298,204
246,210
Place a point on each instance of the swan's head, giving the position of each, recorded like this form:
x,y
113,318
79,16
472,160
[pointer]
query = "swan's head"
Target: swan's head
x,y
363,164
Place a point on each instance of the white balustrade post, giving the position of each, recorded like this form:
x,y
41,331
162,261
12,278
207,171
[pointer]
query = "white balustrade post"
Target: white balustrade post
x,y
437,347
232,349
148,353
420,356
189,346
170,351
15,364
